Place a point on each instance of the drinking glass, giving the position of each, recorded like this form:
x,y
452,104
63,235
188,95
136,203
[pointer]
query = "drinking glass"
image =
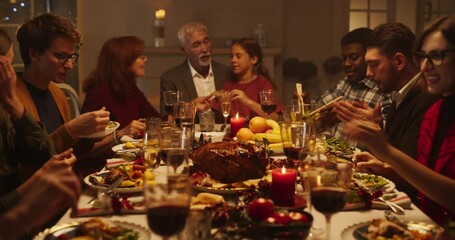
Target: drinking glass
x,y
268,99
292,113
171,139
328,195
178,163
184,114
225,103
151,151
167,200
170,98
296,140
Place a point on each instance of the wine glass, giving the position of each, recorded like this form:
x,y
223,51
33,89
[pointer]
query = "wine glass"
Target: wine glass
x,y
170,98
177,162
167,200
151,151
296,140
184,113
328,195
268,99
225,104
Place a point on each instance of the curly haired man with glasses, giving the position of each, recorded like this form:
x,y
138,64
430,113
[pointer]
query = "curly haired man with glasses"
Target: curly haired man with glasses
x,y
48,45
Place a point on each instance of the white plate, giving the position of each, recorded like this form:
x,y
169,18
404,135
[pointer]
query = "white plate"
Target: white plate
x,y
119,147
220,190
387,188
126,138
216,136
70,228
429,228
104,133
117,189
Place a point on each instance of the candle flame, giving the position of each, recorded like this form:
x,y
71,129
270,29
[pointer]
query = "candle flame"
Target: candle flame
x,y
160,14
283,170
318,180
237,115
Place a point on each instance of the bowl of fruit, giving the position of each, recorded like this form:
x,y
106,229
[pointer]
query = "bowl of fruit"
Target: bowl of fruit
x,y
282,224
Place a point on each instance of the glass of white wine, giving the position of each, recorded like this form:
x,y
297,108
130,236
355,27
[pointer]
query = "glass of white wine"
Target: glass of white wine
x,y
151,151
225,104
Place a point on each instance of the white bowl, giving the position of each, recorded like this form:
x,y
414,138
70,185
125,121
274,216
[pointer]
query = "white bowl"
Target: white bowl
x,y
216,136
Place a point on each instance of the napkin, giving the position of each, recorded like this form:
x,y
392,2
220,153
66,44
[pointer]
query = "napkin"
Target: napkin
x,y
115,161
131,205
400,198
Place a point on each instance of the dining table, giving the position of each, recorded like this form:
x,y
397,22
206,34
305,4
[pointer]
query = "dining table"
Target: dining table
x,y
342,223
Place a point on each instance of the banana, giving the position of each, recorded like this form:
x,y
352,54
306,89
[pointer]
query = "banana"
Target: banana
x,y
276,131
273,124
272,138
277,148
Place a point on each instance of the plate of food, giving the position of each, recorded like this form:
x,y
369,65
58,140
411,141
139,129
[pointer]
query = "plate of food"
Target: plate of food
x,y
110,128
128,147
215,136
94,228
133,178
374,182
203,183
385,229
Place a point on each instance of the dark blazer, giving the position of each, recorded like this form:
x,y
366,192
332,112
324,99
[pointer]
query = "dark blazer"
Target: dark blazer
x,y
403,124
179,79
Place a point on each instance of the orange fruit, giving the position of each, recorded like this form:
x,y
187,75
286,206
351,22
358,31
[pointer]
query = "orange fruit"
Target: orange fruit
x,y
258,125
244,134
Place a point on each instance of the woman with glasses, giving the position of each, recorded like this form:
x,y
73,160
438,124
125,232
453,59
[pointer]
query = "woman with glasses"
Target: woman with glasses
x,y
434,177
112,84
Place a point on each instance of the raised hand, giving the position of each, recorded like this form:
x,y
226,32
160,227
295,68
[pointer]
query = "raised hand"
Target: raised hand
x,y
135,127
53,188
203,103
88,123
8,94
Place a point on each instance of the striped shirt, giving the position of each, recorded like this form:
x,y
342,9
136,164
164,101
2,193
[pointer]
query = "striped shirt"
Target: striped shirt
x,y
364,90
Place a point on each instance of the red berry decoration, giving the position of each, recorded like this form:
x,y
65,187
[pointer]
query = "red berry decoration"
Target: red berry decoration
x,y
261,208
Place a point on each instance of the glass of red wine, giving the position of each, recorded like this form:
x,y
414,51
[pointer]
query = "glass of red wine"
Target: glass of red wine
x,y
167,199
268,99
170,99
328,195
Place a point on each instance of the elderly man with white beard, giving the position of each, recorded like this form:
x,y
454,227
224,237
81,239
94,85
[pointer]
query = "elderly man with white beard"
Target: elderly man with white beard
x,y
198,76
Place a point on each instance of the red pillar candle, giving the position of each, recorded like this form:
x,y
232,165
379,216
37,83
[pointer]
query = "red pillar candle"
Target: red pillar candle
x,y
283,186
236,123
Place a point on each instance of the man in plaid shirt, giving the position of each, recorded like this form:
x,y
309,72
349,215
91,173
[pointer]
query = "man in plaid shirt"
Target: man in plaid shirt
x,y
355,88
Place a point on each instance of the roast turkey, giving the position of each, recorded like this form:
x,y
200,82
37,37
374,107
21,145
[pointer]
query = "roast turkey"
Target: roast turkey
x,y
230,162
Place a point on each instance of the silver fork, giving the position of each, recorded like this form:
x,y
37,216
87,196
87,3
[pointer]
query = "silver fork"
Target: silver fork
x,y
108,190
395,207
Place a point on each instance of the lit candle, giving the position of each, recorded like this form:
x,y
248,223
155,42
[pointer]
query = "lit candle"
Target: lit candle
x,y
160,14
236,123
283,186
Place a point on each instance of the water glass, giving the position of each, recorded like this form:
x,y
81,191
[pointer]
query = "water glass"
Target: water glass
x,y
207,121
184,113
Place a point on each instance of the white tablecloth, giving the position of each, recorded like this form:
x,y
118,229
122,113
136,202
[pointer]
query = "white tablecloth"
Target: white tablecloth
x,y
340,221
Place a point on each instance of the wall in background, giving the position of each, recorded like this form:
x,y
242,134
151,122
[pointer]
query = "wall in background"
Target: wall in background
x,y
302,28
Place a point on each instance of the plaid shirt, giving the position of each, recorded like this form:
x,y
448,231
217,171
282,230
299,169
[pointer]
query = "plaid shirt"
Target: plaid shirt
x,y
364,90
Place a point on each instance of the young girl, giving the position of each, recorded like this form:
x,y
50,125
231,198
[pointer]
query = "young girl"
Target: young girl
x,y
251,76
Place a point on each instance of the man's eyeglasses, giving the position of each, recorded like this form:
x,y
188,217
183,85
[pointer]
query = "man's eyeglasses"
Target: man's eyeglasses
x,y
63,57
435,57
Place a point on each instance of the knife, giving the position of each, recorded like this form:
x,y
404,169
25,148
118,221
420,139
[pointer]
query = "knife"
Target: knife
x,y
107,190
